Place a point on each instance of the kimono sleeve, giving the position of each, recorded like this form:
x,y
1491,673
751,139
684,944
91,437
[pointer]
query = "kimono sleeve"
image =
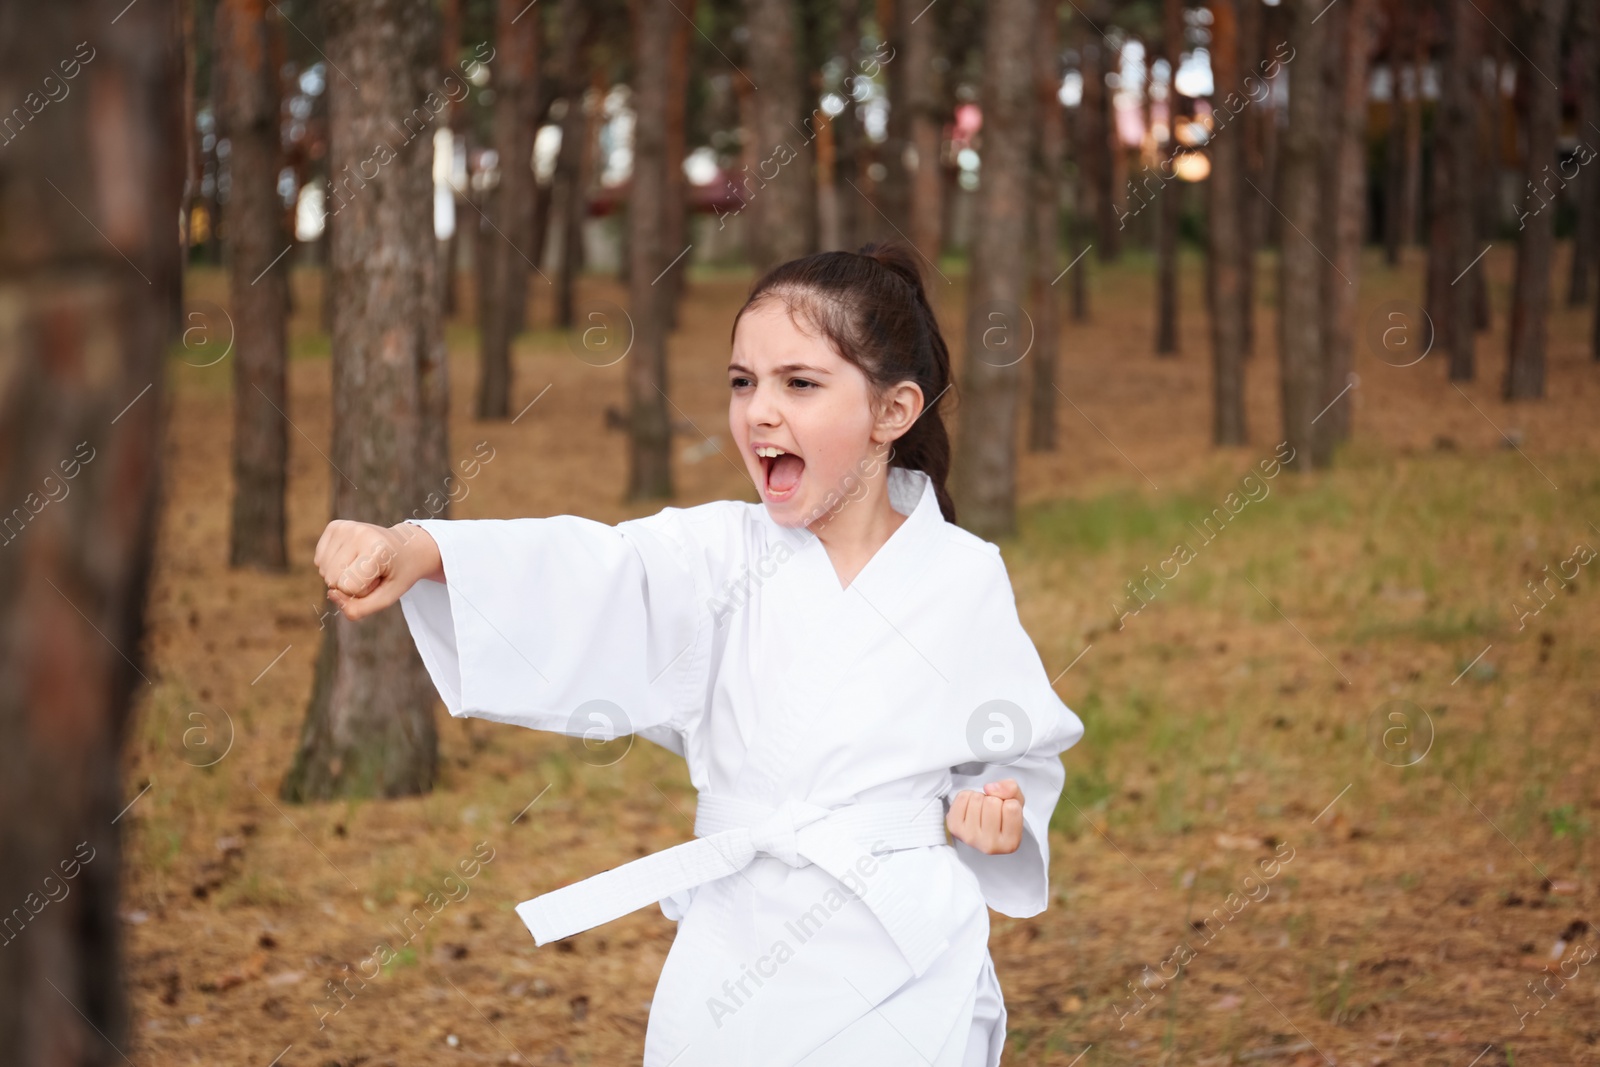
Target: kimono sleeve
x,y
566,624
1018,883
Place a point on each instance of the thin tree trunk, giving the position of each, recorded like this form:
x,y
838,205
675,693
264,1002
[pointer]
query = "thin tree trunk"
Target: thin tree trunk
x,y
369,727
1254,165
1169,211
893,194
1530,294
577,26
1586,187
1048,152
1094,150
1399,25
1227,267
89,270
502,249
847,132
676,207
449,55
523,211
780,177
1300,195
650,436
920,79
986,456
246,96
1411,220
1450,252
1347,209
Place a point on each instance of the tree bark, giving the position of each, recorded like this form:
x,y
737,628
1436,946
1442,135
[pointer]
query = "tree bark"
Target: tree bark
x,y
525,212
89,270
893,194
1301,287
676,218
1048,151
847,133
650,436
1454,224
245,92
369,726
570,180
1169,211
781,177
922,100
1541,114
449,55
1094,122
1227,267
504,258
1347,210
985,461
1586,187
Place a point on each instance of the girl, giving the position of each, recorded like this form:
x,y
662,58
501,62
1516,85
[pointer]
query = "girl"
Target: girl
x,y
841,666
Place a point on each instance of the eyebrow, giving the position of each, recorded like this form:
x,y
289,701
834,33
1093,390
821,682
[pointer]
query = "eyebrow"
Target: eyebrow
x,y
785,369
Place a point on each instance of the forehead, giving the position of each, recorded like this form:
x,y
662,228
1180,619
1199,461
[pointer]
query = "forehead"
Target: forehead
x,y
768,335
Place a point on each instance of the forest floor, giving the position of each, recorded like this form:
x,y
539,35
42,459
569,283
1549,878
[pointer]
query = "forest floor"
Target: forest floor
x,y
1262,704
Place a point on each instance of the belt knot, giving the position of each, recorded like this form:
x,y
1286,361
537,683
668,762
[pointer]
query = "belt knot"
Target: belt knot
x,y
778,834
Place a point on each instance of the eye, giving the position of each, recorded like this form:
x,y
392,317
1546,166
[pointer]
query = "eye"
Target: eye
x,y
804,383
738,381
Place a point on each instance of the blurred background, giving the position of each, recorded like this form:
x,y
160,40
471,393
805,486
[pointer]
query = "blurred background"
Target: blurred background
x,y
1278,370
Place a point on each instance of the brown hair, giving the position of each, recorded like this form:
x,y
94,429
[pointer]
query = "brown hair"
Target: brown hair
x,y
870,305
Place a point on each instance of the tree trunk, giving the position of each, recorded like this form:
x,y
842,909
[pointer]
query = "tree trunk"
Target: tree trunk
x,y
1226,229
1399,27
245,92
676,218
1256,163
1094,152
369,727
503,254
1411,160
449,55
569,180
1586,187
922,100
849,205
1169,211
1541,114
986,456
893,195
1454,224
650,437
1347,211
89,270
781,177
1300,195
1048,152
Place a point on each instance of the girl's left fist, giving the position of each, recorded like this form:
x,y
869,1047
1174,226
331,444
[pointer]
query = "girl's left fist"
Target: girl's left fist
x,y
990,821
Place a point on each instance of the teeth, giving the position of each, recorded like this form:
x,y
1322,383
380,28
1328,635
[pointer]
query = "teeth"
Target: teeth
x,y
770,451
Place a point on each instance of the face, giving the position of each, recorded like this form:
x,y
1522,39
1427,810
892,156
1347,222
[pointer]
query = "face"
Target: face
x,y
793,394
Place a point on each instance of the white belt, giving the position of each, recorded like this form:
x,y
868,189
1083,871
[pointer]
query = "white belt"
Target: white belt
x,y
730,833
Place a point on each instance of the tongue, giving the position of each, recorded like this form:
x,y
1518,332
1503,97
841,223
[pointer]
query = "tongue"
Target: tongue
x,y
785,473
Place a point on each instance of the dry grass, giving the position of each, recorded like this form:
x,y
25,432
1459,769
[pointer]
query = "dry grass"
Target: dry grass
x,y
1226,718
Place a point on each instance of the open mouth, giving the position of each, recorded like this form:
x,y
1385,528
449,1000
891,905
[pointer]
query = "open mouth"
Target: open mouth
x,y
782,471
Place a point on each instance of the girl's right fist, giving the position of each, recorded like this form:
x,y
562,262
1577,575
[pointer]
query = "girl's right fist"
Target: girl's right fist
x,y
367,568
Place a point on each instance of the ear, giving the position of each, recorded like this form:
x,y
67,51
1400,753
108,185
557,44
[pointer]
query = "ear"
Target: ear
x,y
900,406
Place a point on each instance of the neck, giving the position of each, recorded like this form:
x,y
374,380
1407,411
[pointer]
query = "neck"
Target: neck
x,y
856,531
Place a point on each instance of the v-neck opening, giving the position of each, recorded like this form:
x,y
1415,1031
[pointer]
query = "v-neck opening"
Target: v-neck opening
x,y
904,485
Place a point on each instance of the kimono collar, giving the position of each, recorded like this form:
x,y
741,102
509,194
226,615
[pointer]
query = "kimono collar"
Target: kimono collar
x,y
910,493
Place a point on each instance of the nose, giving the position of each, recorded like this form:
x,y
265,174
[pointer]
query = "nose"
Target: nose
x,y
763,411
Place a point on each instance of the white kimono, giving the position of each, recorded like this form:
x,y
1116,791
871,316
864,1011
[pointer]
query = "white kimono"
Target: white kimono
x,y
824,916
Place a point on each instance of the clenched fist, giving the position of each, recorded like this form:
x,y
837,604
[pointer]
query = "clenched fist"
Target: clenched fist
x,y
367,567
990,821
